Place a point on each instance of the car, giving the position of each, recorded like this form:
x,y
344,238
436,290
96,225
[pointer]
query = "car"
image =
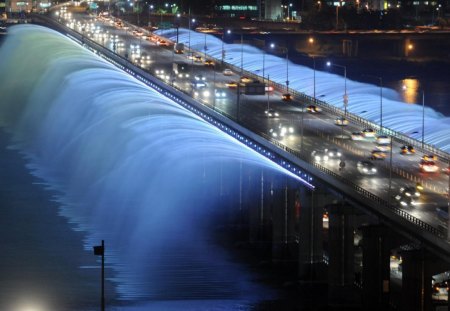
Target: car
x,y
429,157
282,131
313,109
244,79
410,191
357,136
407,149
231,84
197,58
341,121
319,156
220,94
209,63
271,113
446,170
163,43
366,167
383,147
378,155
269,88
383,140
200,78
227,72
405,201
333,153
286,97
198,84
428,166
368,133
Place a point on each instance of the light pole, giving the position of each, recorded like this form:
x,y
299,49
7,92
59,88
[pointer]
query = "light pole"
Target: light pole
x,y
423,114
287,69
242,54
223,38
288,15
205,47
272,45
345,85
380,79
423,118
150,9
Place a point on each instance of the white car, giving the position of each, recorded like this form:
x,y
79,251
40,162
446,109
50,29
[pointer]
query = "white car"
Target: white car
x,y
271,113
220,94
341,121
227,72
383,140
319,156
357,136
366,167
333,153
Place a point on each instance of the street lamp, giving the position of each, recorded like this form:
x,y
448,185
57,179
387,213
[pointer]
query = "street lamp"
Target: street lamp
x,y
423,114
288,15
287,68
272,45
381,99
150,9
223,39
242,54
345,85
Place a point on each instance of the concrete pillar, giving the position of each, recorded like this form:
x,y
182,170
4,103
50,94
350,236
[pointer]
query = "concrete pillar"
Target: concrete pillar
x,y
416,280
309,233
260,213
283,220
376,268
341,253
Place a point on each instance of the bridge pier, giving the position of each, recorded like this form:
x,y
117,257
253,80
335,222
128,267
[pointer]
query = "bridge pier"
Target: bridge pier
x,y
283,220
376,268
416,280
309,212
341,254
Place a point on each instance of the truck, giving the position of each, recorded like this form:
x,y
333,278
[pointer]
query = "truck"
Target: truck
x,y
254,88
178,48
181,70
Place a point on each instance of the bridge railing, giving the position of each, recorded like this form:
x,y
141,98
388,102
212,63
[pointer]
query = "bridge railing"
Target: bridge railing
x,y
126,65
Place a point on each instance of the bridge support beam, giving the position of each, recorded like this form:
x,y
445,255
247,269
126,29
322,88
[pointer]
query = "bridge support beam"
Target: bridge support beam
x,y
309,233
284,246
376,268
341,253
416,280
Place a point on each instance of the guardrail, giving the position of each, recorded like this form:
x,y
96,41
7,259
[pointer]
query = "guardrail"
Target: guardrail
x,y
163,87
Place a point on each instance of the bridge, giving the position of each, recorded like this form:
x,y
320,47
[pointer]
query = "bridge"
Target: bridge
x,y
350,204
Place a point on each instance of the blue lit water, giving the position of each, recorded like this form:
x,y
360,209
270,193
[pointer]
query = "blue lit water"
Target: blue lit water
x,y
401,103
127,165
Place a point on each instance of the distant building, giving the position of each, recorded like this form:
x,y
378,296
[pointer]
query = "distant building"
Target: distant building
x,y
249,9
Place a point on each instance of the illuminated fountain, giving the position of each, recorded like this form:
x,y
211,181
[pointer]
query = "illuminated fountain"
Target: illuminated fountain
x,y
130,167
364,98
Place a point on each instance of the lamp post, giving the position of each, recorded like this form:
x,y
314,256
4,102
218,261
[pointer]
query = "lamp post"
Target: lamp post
x,y
242,54
423,114
205,47
380,79
287,69
288,15
345,97
272,45
223,38
423,118
150,9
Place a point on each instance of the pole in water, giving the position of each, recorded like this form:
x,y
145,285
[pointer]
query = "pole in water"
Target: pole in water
x,y
100,251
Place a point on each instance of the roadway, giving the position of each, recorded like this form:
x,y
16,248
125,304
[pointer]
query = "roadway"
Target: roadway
x,y
312,131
